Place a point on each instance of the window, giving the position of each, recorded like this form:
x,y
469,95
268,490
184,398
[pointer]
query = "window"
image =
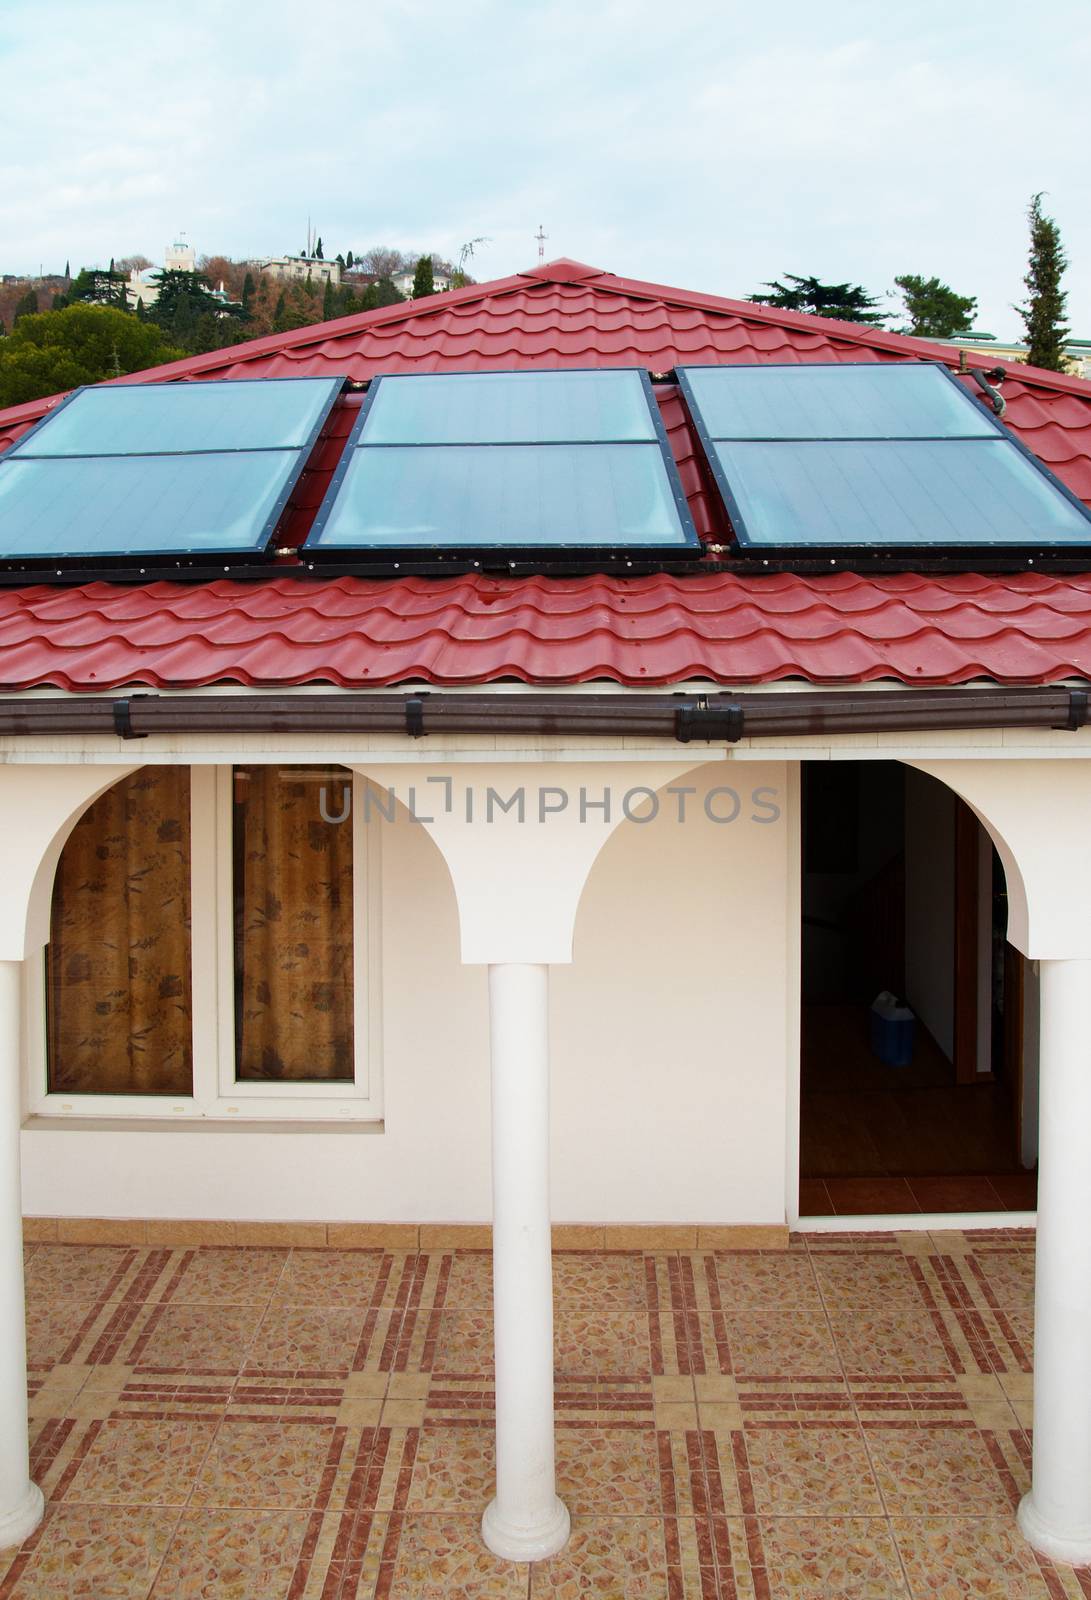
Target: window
x,y
213,950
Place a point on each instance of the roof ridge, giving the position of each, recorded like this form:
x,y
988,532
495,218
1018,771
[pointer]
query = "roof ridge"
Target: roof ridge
x,y
554,276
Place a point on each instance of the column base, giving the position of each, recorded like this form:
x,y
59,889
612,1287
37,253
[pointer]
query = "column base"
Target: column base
x,y
513,1543
19,1523
1074,1551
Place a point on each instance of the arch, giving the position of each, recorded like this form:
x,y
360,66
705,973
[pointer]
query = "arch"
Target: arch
x,y
519,872
1036,813
40,806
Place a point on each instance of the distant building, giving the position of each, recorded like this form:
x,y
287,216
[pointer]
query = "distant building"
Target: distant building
x,y
1077,351
143,286
299,268
403,281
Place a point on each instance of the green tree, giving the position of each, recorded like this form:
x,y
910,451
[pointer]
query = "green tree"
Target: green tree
x,y
184,299
348,260
318,256
346,301
57,350
249,288
339,258
423,279
329,302
68,269
279,325
94,286
386,293
934,310
848,302
1044,309
25,307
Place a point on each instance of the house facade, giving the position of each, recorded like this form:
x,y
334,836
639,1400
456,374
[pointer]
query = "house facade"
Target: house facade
x,y
486,899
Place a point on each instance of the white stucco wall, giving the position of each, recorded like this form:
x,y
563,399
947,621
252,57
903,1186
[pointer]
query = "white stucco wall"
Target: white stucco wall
x,y
671,1038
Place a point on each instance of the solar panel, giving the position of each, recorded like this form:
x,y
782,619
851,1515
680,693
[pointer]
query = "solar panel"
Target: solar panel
x,y
574,461
160,470
878,456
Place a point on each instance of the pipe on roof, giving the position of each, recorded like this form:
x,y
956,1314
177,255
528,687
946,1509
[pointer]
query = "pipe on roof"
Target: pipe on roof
x,y
714,717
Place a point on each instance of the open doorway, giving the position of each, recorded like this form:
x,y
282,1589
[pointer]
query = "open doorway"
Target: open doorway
x,y
904,894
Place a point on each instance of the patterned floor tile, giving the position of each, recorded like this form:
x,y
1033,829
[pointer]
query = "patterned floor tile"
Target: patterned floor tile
x,y
609,1558
867,1281
756,1282
461,1344
831,1558
440,1557
335,1277
468,1284
138,1461
454,1470
54,1330
228,1277
601,1278
194,1338
779,1344
807,1470
317,1341
78,1272
232,1555
934,1470
906,1340
275,1465
949,1558
618,1471
589,1340
92,1553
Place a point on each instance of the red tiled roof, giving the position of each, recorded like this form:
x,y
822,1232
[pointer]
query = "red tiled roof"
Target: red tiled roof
x,y
355,632
1028,628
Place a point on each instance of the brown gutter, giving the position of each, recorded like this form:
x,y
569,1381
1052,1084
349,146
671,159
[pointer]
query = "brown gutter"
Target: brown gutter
x,y
714,717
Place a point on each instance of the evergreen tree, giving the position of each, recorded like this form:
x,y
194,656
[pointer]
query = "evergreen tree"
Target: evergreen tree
x,y
184,299
68,269
59,302
318,256
26,307
94,287
329,302
386,293
934,310
848,302
346,301
339,258
279,325
1044,309
248,290
348,260
423,279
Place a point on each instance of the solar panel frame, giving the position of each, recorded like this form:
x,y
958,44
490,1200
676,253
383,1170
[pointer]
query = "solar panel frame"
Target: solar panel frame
x,y
520,556
173,559
786,551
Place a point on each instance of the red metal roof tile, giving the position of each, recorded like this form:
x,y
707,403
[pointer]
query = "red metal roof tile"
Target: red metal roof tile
x,y
1029,628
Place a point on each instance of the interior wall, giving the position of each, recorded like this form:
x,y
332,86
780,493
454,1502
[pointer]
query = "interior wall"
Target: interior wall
x,y
930,906
669,1045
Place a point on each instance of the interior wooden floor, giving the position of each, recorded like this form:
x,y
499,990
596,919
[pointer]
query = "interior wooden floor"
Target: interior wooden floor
x,y
875,1138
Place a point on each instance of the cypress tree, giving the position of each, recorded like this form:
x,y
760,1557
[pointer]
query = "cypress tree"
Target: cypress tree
x,y
348,259
1044,309
423,279
318,256
329,304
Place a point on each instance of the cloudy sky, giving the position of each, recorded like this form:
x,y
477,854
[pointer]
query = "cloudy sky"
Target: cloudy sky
x,y
708,143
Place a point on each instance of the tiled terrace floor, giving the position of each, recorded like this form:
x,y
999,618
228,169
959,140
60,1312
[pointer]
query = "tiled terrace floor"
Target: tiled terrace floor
x,y
845,1420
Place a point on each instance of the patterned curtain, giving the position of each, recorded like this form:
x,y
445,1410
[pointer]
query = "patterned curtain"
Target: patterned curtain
x,y
293,924
118,962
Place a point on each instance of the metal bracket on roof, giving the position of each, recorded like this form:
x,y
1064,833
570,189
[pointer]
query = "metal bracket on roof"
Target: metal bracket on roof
x,y
414,716
123,719
1077,711
696,719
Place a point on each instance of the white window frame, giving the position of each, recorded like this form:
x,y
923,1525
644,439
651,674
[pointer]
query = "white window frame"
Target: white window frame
x,y
217,1094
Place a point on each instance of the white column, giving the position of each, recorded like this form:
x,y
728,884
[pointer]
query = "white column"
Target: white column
x,y
21,1504
1056,1515
525,1521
